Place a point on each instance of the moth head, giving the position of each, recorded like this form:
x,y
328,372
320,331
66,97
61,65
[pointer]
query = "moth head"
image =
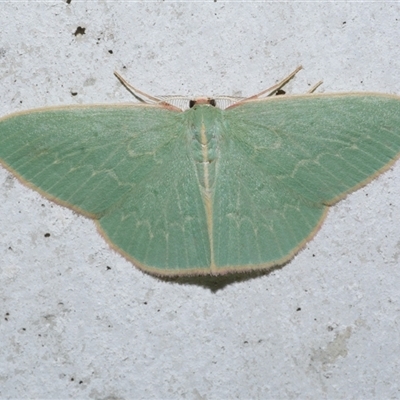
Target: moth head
x,y
203,101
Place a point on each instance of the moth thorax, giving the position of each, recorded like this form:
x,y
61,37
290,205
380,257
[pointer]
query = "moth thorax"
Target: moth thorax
x,y
204,144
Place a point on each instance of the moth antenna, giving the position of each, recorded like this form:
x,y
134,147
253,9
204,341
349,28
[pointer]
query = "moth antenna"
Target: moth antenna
x,y
270,91
315,87
136,92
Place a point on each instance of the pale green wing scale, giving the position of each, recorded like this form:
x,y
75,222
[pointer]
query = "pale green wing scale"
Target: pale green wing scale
x,y
205,191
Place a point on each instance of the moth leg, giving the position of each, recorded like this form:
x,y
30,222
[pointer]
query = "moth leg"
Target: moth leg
x,y
273,89
315,87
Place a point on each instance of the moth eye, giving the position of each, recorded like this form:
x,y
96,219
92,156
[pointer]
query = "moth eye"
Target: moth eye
x,y
280,92
192,103
213,102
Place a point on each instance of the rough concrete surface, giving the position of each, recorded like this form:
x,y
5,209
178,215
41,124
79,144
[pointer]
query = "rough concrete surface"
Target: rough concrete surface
x,y
79,321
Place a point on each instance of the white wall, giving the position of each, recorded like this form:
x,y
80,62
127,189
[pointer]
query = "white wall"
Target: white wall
x,y
78,320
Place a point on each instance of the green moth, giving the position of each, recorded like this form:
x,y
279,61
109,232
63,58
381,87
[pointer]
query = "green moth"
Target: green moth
x,y
205,190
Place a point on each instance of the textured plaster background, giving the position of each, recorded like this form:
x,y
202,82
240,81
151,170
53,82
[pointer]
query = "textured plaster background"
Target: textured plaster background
x,y
78,320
